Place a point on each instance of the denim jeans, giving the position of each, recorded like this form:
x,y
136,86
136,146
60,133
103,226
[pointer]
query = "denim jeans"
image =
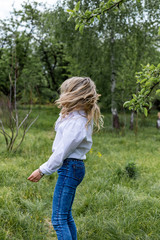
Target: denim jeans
x,y
70,176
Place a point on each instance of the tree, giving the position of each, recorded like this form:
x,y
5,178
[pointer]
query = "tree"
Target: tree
x,y
40,57
148,81
10,114
124,28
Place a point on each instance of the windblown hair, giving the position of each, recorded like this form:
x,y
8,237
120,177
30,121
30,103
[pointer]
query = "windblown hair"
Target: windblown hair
x,y
79,93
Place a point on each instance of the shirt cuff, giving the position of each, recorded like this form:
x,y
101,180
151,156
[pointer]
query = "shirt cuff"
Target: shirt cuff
x,y
45,170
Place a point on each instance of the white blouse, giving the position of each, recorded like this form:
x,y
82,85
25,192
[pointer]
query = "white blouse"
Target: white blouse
x,y
72,140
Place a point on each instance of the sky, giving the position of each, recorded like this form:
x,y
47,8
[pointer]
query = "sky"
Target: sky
x,y
6,6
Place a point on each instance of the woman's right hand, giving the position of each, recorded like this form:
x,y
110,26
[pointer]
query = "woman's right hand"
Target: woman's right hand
x,y
35,176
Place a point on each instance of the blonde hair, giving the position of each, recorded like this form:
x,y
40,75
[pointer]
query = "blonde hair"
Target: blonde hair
x,y
79,93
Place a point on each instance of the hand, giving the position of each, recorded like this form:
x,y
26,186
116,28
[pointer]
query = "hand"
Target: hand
x,y
35,176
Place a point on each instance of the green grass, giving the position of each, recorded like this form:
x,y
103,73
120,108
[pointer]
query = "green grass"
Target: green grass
x,y
108,205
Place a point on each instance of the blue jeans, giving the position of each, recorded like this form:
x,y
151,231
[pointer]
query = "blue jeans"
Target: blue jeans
x,y
70,176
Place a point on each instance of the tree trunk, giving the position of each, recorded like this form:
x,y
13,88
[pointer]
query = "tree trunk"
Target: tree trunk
x,y
132,121
115,118
158,120
50,68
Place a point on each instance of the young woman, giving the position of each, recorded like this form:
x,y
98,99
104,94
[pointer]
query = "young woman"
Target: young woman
x,y
79,109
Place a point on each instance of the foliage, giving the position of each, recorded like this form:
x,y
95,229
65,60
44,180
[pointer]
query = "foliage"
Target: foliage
x,y
130,170
40,56
148,80
49,50
127,39
87,17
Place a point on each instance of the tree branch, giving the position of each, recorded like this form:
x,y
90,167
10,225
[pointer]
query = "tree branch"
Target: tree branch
x,y
106,10
32,123
24,119
4,129
4,133
24,133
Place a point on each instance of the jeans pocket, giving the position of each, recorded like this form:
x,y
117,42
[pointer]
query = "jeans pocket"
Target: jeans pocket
x,y
78,171
62,169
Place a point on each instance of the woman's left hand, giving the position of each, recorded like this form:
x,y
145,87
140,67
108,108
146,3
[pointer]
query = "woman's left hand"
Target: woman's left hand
x,y
35,176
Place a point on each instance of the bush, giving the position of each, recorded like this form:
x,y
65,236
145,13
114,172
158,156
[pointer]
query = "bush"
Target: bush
x,y
130,170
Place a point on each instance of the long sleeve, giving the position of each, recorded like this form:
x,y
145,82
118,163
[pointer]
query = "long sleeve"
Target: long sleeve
x,y
73,134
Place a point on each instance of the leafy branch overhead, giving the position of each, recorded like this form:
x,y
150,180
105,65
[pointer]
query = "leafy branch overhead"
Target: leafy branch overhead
x,y
148,82
87,17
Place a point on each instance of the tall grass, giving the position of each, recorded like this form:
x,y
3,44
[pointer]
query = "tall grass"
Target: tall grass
x,y
109,205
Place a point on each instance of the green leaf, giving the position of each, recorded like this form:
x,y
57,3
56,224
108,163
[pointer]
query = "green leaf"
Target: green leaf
x,y
70,10
69,17
158,91
150,105
147,92
142,91
145,111
81,28
143,81
77,6
101,4
134,95
77,20
92,20
88,13
99,18
130,108
148,84
159,31
122,6
77,26
126,104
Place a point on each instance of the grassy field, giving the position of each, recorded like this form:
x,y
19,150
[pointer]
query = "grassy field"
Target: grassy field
x,y
109,205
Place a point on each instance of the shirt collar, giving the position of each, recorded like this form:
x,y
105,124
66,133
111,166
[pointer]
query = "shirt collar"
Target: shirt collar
x,y
79,112
76,112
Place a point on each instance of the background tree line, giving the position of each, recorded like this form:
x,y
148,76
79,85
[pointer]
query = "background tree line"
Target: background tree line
x,y
41,47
